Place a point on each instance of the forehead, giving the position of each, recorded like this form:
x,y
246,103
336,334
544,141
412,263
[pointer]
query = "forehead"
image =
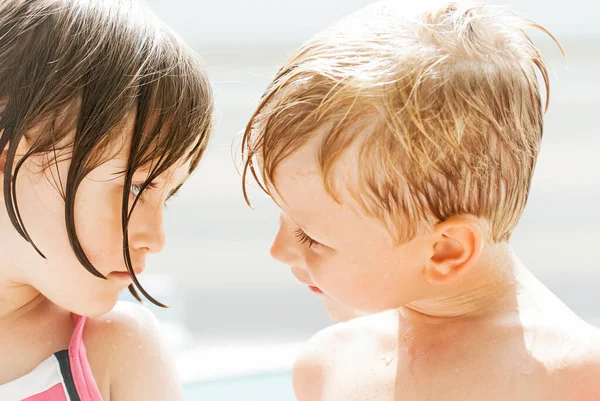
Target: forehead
x,y
299,190
300,193
298,185
121,148
117,166
303,166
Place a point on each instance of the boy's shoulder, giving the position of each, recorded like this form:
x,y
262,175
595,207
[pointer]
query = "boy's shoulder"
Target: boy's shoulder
x,y
582,364
342,356
358,360
127,355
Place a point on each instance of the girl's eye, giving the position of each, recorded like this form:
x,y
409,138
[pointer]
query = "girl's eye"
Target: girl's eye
x,y
136,190
303,238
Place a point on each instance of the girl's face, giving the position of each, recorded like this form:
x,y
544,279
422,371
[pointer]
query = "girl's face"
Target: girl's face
x,y
98,207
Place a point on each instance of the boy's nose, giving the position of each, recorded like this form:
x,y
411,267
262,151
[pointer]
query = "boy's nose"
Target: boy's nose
x,y
285,248
282,251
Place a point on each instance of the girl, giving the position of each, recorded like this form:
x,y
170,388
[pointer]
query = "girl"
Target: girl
x,y
104,113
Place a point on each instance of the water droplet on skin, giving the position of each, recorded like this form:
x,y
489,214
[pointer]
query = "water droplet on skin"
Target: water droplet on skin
x,y
527,369
108,321
388,359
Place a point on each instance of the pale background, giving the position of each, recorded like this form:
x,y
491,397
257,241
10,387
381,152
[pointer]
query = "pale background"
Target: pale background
x,y
216,271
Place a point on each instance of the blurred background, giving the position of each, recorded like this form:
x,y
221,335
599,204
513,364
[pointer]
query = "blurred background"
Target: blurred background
x,y
216,271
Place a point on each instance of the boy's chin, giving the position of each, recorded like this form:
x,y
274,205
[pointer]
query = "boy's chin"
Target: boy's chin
x,y
338,312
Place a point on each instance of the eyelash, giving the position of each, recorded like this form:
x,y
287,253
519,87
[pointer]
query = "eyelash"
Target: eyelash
x,y
136,188
303,238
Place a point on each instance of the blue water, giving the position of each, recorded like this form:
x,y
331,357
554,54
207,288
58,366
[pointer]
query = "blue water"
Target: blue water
x,y
267,387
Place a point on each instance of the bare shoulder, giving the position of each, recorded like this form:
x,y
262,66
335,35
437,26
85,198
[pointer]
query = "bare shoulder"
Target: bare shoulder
x,y
348,358
127,354
127,325
570,355
583,374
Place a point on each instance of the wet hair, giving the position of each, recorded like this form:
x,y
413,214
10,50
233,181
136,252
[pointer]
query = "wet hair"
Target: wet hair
x,y
443,105
76,71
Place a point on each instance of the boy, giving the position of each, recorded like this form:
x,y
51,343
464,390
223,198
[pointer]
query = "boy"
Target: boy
x,y
400,147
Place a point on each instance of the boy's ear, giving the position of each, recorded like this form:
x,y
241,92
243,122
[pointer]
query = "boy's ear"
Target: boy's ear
x,y
457,247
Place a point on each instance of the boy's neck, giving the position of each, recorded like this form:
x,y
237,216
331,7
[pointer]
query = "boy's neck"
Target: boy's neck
x,y
489,290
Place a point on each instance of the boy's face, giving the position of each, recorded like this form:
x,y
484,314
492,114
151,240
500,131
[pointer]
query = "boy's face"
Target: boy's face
x,y
347,258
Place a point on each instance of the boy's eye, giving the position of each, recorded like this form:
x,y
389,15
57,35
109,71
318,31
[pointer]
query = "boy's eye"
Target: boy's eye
x,y
303,238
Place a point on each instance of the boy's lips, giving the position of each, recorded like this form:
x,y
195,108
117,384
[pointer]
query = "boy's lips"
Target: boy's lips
x,y
310,285
315,290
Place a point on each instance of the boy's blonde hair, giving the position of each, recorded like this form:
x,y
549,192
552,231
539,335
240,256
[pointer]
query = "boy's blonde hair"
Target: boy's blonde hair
x,y
445,103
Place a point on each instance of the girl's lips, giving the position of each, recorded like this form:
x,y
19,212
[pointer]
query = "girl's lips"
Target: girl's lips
x,y
125,275
315,290
121,275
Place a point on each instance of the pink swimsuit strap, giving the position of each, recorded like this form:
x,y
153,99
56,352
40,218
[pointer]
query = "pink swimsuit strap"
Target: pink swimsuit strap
x,y
83,379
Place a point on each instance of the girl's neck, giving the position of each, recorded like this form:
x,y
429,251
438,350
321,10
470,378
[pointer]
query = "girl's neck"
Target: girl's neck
x,y
17,299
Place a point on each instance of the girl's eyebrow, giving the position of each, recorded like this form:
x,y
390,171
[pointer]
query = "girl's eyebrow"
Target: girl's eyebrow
x,y
174,191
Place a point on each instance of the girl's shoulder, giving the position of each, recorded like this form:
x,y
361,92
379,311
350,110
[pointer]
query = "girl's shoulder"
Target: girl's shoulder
x,y
128,357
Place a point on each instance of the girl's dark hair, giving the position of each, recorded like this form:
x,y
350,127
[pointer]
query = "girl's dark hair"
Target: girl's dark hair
x,y
84,66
